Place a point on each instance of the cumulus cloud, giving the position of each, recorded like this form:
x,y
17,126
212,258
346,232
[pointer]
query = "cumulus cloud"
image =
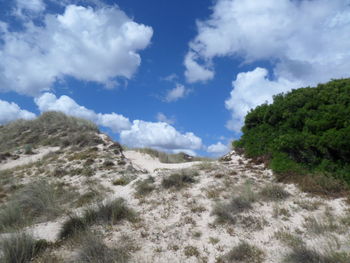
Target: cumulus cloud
x,y
176,93
251,89
218,149
196,72
65,104
306,42
88,44
10,111
161,117
159,135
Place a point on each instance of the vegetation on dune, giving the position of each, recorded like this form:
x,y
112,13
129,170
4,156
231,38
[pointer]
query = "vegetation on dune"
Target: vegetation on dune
x,y
303,132
169,157
52,129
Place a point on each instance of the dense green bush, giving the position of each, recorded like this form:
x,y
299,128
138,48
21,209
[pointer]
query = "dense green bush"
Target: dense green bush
x,y
304,131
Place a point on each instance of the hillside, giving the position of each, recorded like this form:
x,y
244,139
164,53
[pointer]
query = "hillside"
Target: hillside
x,y
91,201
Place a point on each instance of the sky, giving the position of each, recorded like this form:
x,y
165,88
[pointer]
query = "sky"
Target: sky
x,y
171,75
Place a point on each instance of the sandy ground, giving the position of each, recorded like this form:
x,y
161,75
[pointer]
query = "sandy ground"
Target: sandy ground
x,y
150,164
27,159
172,222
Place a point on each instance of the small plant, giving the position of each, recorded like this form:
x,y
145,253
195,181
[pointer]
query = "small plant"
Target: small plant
x,y
73,226
222,214
177,180
289,239
303,254
274,193
245,253
121,181
108,163
20,248
94,250
145,187
190,251
112,212
40,198
28,149
225,212
197,234
214,240
321,225
11,216
109,212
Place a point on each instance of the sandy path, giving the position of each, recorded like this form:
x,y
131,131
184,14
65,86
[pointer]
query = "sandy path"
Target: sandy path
x,y
149,163
27,159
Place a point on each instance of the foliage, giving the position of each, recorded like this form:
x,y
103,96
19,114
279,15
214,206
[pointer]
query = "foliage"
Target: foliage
x,y
304,131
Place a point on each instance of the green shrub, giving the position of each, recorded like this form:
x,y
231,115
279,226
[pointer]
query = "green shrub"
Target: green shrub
x,y
303,131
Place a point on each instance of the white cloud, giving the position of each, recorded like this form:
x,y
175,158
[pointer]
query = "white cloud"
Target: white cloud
x,y
196,72
85,43
251,89
171,78
161,117
307,42
159,135
218,149
65,104
176,93
31,6
10,111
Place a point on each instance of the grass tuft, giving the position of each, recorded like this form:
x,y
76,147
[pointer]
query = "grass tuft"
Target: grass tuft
x,y
179,180
20,248
145,187
94,250
72,226
245,253
110,212
274,193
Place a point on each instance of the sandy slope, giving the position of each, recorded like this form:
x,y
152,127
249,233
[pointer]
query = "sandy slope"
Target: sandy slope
x,y
150,164
173,222
27,159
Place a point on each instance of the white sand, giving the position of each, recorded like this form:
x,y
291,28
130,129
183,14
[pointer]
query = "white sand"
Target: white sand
x,y
150,164
27,159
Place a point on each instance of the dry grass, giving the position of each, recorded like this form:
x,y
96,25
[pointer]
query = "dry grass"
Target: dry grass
x,y
244,253
110,212
179,179
20,248
145,187
274,192
93,249
51,128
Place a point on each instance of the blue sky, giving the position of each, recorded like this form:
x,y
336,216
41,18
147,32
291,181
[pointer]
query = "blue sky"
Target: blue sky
x,y
172,75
